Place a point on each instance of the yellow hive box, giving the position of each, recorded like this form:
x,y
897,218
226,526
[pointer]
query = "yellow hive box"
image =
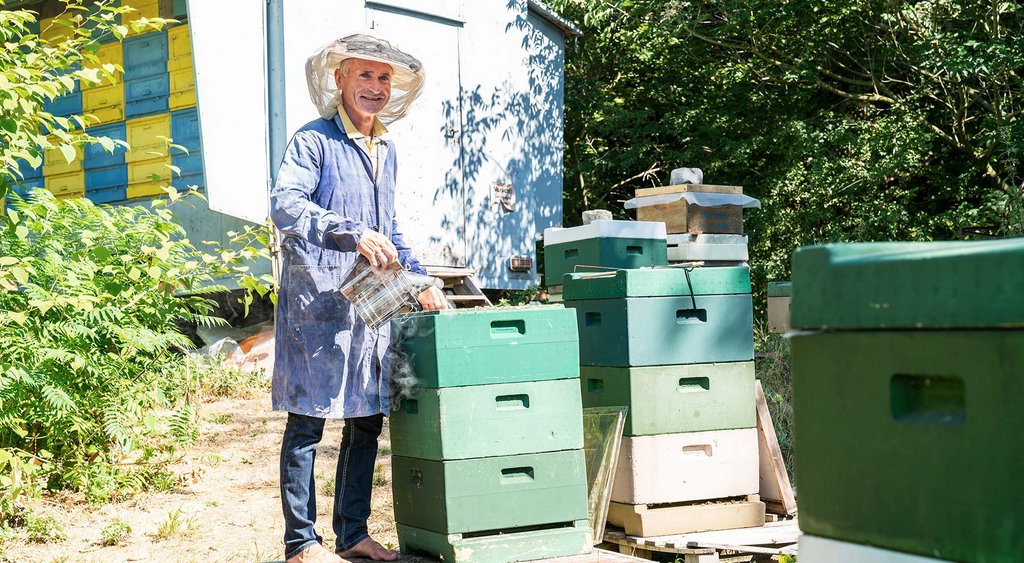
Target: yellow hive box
x,y
106,103
143,172
183,89
144,189
52,31
148,9
67,185
147,137
179,44
54,162
111,53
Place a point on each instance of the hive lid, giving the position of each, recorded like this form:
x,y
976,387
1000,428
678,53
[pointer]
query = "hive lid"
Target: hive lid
x,y
657,282
780,289
606,229
909,285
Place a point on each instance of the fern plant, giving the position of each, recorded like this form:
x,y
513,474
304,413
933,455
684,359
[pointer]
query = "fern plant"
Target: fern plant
x,y
91,301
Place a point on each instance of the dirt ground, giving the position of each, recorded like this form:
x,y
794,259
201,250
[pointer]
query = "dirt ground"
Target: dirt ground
x,y
229,507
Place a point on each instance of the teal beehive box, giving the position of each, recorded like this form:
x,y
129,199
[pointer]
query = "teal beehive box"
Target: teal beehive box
x,y
896,428
489,420
909,285
490,494
675,399
603,244
453,348
538,544
651,331
663,316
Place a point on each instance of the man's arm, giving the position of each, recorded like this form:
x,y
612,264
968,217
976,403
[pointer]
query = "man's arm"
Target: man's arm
x,y
292,208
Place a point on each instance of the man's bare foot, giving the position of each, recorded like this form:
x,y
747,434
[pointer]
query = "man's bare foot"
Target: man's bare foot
x,y
315,553
369,549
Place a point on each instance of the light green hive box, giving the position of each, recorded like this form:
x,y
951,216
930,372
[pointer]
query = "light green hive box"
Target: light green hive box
x,y
491,493
909,285
674,399
494,345
910,441
657,282
489,420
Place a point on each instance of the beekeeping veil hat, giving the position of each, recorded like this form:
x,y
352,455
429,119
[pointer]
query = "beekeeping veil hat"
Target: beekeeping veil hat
x,y
406,80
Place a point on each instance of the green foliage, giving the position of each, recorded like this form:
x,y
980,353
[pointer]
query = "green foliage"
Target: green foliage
x,y
176,524
850,121
115,532
94,392
43,529
34,70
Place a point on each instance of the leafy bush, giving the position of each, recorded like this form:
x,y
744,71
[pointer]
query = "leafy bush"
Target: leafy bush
x,y
91,371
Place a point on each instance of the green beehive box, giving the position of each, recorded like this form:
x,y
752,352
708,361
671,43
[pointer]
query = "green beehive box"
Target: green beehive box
x,y
603,244
562,259
910,441
499,548
652,331
657,282
909,285
453,348
489,420
490,493
674,399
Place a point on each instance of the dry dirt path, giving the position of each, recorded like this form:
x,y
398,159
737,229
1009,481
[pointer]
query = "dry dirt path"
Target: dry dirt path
x,y
230,498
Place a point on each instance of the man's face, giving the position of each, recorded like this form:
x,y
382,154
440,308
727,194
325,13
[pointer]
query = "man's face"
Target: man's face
x,y
366,89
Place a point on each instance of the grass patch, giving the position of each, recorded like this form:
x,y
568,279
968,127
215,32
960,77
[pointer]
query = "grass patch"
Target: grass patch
x,y
380,476
328,487
115,532
176,524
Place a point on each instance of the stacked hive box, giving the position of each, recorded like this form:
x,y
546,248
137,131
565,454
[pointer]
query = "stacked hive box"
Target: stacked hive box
x,y
906,399
676,346
602,245
152,102
712,235
487,459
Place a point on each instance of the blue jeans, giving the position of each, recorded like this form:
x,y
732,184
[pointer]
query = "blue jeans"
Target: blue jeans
x,y
352,486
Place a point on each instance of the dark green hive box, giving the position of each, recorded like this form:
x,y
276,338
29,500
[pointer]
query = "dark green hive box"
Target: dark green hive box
x,y
673,399
495,345
607,252
652,331
910,441
491,493
909,285
657,282
549,543
489,420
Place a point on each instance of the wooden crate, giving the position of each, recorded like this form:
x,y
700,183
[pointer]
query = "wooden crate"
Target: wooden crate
x,y
647,521
681,217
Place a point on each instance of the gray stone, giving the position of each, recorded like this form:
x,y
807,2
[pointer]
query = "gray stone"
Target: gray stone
x,y
687,176
591,215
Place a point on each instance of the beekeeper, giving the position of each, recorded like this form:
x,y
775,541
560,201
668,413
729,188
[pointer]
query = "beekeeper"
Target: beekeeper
x,y
335,197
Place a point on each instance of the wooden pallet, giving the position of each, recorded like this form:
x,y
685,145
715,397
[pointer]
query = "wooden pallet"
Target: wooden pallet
x,y
660,519
460,286
765,542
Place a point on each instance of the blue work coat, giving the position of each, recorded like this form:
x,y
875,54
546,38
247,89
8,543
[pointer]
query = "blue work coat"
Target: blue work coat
x,y
328,363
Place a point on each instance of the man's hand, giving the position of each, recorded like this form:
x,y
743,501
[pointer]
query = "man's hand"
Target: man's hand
x,y
377,248
433,299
